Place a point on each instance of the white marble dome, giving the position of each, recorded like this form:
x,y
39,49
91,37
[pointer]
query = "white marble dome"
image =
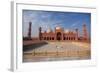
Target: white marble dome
x,y
66,31
49,30
58,27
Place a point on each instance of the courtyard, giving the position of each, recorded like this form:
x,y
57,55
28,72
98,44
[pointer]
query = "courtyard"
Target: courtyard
x,y
55,51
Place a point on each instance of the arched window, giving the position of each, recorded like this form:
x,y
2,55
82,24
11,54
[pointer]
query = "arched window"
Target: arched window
x,y
64,38
58,36
52,38
69,38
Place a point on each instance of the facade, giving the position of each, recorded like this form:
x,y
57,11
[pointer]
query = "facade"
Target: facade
x,y
59,34
62,35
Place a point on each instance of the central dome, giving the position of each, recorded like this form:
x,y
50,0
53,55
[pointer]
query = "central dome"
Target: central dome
x,y
58,27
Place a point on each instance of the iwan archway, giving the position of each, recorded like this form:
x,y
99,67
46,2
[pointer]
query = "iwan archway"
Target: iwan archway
x,y
58,36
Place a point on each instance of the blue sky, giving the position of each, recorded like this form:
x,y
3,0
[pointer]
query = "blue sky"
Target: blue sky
x,y
51,19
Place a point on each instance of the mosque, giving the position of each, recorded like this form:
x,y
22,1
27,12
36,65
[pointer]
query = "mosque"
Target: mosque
x,y
61,34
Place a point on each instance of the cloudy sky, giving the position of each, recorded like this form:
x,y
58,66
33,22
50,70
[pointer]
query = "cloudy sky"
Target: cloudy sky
x,y
51,19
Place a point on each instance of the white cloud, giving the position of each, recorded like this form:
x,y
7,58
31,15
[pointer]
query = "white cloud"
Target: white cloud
x,y
75,24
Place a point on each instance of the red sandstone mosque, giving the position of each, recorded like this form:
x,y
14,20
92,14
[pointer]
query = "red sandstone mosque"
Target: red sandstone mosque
x,y
60,34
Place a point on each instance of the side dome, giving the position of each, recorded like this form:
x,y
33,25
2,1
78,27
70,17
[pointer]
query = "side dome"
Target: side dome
x,y
66,31
49,30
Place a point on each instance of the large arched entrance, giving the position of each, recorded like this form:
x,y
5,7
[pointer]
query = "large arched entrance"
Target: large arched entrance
x,y
58,36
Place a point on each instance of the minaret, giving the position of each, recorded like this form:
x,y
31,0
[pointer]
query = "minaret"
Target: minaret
x,y
40,29
29,30
76,34
85,35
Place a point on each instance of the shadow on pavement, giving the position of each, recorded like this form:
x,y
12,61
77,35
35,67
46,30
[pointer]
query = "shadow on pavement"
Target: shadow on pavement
x,y
33,46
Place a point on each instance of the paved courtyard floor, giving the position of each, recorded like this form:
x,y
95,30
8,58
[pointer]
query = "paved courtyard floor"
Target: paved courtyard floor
x,y
58,51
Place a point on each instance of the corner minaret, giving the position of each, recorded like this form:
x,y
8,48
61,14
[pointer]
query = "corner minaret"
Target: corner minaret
x,y
85,34
29,30
76,34
40,29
